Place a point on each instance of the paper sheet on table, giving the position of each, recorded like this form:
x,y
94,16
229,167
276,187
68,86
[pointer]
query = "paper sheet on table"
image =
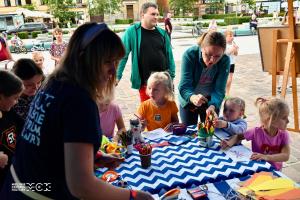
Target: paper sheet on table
x,y
156,134
239,153
222,134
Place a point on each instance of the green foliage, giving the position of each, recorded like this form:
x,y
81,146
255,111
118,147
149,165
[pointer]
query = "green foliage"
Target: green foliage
x,y
236,20
251,3
215,5
61,11
185,6
221,24
65,32
34,34
217,16
101,7
205,24
23,35
29,7
124,21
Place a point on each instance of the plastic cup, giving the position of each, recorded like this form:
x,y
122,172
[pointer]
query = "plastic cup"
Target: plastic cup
x,y
145,161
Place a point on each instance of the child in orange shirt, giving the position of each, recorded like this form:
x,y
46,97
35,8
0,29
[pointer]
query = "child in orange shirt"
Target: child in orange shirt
x,y
160,110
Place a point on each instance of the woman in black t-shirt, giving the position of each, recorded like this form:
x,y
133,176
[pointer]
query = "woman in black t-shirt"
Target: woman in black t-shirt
x,y
61,135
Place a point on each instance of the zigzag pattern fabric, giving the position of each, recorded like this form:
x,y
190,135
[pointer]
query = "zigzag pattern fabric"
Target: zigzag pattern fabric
x,y
183,166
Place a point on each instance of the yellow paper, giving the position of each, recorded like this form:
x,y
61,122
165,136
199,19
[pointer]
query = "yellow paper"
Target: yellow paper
x,y
272,192
278,183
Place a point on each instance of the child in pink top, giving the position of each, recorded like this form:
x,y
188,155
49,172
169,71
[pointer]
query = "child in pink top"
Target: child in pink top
x,y
110,115
270,141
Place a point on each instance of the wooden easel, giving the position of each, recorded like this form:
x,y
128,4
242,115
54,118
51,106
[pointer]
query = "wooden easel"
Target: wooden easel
x,y
290,64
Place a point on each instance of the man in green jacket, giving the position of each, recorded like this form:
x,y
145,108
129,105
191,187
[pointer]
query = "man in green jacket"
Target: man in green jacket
x,y
150,49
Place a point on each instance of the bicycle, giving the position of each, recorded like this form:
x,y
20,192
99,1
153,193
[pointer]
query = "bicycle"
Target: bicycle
x,y
19,49
39,46
197,30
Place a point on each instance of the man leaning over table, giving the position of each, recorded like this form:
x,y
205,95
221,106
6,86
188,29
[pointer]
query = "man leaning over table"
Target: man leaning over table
x,y
150,47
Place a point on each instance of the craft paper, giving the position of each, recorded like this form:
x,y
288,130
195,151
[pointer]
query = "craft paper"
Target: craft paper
x,y
156,134
278,183
239,153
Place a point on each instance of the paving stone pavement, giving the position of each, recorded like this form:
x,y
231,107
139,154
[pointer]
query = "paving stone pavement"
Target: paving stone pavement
x,y
249,82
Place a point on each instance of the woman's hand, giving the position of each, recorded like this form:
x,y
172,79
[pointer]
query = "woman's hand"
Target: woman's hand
x,y
110,161
198,99
3,159
211,111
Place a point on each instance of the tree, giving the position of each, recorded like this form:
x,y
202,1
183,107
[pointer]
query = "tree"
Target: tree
x,y
185,6
101,7
60,9
163,6
216,5
251,3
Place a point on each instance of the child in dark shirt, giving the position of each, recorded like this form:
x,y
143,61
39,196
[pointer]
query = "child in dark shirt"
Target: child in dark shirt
x,y
10,124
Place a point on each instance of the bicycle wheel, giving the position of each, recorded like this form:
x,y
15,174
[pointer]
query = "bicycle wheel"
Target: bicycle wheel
x,y
23,50
17,50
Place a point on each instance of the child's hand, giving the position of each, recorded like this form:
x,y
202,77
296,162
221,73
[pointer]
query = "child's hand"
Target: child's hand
x,y
110,161
220,123
169,127
3,159
224,144
259,156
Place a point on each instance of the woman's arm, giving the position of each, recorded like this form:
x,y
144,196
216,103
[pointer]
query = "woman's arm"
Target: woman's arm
x,y
186,88
120,123
79,170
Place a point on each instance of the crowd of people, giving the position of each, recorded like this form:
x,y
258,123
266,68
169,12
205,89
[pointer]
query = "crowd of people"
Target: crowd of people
x,y
72,107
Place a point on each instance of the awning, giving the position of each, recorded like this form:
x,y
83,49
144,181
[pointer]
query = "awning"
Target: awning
x,y
33,14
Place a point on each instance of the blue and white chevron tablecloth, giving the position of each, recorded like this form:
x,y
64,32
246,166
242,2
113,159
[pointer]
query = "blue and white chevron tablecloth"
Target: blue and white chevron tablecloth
x,y
183,166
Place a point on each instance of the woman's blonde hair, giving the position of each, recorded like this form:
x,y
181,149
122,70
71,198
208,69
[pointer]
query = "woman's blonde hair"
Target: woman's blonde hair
x,y
165,79
91,46
270,109
212,38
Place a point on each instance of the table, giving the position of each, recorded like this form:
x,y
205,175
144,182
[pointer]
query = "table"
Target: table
x,y
222,190
183,166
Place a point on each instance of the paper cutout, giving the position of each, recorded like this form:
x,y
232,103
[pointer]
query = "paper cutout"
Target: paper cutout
x,y
239,153
263,186
156,134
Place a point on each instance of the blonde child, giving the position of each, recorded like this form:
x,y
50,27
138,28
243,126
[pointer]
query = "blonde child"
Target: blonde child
x,y
10,123
160,110
38,58
232,51
58,47
232,121
270,141
110,115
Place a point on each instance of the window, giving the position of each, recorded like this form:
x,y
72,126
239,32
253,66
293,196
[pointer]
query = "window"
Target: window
x,y
18,2
7,3
28,2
